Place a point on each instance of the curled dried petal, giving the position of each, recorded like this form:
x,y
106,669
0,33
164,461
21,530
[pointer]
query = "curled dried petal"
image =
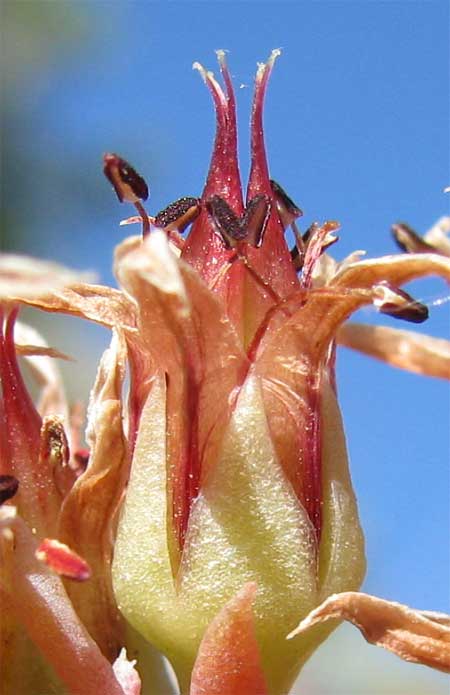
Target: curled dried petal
x,y
28,277
94,499
412,635
103,305
439,235
422,354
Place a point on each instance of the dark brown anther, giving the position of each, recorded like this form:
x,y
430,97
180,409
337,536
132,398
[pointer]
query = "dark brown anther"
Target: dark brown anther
x,y
250,227
128,185
178,215
296,257
226,222
400,305
310,232
408,240
8,487
255,218
287,209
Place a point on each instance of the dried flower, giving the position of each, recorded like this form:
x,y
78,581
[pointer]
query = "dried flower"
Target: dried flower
x,y
216,508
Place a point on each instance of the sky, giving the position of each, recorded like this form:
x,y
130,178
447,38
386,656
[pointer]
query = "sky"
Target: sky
x,y
356,125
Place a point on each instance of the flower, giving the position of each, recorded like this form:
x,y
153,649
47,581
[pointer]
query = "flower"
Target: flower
x,y
216,509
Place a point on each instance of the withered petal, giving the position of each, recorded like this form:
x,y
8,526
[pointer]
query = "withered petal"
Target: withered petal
x,y
103,305
28,277
422,354
417,636
88,515
39,358
228,661
396,270
439,235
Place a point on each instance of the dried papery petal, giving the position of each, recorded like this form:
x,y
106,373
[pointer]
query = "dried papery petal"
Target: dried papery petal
x,y
38,498
439,235
173,304
396,270
228,661
88,516
23,276
40,359
422,354
36,597
62,560
103,305
126,674
410,634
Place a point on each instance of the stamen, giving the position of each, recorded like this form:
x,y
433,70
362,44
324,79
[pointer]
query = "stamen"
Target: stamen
x,y
287,209
298,251
249,228
8,487
408,240
178,215
399,304
225,220
255,218
128,185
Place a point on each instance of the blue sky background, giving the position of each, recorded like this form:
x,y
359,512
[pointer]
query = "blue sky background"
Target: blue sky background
x,y
357,130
